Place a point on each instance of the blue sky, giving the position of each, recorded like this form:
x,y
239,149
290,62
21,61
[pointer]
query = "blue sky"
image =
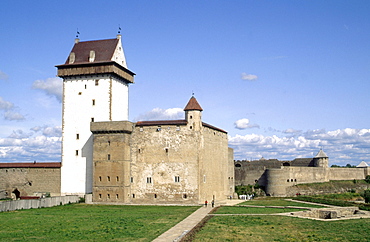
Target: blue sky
x,y
284,78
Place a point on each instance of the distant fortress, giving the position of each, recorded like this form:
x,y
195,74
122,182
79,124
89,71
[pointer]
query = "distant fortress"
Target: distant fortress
x,y
277,176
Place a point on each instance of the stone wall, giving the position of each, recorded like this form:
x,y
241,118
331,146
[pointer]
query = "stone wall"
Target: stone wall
x,y
30,181
37,203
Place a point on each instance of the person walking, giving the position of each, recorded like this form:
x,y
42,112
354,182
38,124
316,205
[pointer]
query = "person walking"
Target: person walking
x,y
213,203
205,203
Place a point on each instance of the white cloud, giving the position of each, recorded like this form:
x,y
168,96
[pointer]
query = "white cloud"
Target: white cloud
x,y
29,146
343,146
3,76
162,114
5,105
12,115
249,77
244,124
52,87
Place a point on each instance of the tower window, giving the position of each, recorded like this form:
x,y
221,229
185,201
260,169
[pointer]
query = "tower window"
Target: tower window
x,y
108,157
177,178
93,102
77,136
99,178
131,179
159,128
100,196
108,178
116,196
133,195
80,93
177,128
185,196
92,119
117,178
108,196
166,150
148,180
96,82
155,195
85,86
191,117
76,152
108,143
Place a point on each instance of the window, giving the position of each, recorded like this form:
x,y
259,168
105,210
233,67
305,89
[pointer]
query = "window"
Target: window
x,y
141,129
117,178
108,196
131,179
191,127
76,152
92,119
108,178
155,195
148,180
177,178
133,195
96,82
85,86
108,143
204,178
108,157
100,196
177,128
191,117
116,196
185,196
80,93
77,136
159,128
166,150
99,178
93,102
139,150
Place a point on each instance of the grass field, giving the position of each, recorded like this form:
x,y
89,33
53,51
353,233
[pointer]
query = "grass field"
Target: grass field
x,y
81,222
280,228
278,202
252,210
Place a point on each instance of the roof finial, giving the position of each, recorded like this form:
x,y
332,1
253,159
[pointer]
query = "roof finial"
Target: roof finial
x,y
77,33
77,39
119,29
192,93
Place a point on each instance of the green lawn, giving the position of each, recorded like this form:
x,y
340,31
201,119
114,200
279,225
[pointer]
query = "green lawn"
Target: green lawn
x,y
82,222
280,228
279,202
251,210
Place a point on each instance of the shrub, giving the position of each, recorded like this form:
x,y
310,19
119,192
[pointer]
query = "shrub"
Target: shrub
x,y
367,179
366,195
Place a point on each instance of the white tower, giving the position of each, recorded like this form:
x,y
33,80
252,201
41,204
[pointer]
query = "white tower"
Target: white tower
x,y
95,88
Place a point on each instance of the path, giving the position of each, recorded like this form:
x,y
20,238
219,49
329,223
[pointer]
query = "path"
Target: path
x,y
182,228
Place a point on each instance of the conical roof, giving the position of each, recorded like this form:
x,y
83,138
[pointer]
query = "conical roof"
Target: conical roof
x,y
321,154
362,164
193,105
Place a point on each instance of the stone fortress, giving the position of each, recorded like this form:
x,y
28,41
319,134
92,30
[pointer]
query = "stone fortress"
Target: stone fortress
x,y
278,176
112,160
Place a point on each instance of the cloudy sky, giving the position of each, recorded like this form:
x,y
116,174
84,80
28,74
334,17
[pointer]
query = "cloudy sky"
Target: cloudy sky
x,y
284,78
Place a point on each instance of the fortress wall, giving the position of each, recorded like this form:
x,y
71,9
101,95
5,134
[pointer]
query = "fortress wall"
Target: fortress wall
x,y
347,173
160,155
278,180
30,181
249,176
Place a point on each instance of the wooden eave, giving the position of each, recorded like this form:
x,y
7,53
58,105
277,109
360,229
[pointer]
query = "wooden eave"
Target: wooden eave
x,y
91,68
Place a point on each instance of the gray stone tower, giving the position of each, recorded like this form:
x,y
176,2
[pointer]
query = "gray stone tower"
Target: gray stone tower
x,y
321,159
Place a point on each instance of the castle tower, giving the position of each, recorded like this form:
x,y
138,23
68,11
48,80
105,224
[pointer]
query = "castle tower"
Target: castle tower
x,y
193,114
321,159
95,88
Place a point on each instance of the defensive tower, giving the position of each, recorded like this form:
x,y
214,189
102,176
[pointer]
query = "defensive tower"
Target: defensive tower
x,y
95,88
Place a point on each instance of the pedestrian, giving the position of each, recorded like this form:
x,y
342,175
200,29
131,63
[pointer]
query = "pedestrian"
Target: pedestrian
x,y
205,203
213,203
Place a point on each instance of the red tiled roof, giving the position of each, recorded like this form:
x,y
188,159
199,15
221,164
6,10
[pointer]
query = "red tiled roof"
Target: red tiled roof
x,y
104,50
31,165
162,122
213,127
193,105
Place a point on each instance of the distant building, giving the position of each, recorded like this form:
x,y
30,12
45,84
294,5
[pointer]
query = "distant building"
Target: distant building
x,y
278,176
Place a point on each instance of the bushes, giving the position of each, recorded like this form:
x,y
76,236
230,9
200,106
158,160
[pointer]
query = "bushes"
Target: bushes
x,y
366,195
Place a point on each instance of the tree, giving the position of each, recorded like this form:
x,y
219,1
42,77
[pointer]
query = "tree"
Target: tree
x,y
366,195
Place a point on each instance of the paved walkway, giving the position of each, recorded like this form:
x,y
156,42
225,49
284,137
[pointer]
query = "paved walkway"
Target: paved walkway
x,y
182,228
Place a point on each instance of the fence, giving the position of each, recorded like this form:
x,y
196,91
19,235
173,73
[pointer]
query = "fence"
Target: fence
x,y
37,203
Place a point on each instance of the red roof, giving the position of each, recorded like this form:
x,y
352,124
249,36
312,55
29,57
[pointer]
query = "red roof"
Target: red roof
x,y
162,122
31,165
104,50
193,105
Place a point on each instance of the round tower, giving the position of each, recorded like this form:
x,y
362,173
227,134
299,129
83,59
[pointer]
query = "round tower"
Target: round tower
x,y
321,159
193,114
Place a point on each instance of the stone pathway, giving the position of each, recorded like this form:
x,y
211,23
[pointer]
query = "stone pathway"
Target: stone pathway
x,y
181,229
